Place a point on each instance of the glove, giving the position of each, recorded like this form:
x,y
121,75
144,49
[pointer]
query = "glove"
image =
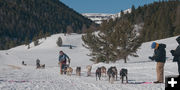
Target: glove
x,y
172,52
151,58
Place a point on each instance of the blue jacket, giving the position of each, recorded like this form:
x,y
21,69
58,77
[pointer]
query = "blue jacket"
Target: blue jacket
x,y
63,58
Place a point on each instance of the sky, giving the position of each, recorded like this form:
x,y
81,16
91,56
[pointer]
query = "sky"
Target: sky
x,y
104,6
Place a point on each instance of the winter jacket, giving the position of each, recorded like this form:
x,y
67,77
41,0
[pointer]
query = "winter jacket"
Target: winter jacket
x,y
160,54
63,58
176,53
37,61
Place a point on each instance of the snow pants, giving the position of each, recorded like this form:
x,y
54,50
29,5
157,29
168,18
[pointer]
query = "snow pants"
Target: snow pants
x,y
160,71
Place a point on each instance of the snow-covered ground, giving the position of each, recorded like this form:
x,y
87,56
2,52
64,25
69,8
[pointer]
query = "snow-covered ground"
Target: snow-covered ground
x,y
14,76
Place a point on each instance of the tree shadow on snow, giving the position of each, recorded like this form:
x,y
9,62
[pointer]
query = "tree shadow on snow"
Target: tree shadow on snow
x,y
139,82
68,46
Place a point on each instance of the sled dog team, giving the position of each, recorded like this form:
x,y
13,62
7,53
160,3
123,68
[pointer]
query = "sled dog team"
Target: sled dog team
x,y
64,63
112,73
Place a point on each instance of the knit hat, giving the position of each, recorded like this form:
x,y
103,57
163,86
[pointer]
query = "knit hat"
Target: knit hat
x,y
154,45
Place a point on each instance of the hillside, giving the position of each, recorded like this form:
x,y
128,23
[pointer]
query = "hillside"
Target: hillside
x,y
160,19
15,76
49,51
23,21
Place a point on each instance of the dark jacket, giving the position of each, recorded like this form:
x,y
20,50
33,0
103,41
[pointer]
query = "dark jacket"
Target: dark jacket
x,y
63,58
160,53
37,61
176,53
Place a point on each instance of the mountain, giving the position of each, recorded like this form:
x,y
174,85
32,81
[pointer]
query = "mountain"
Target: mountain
x,y
14,76
24,21
119,14
100,17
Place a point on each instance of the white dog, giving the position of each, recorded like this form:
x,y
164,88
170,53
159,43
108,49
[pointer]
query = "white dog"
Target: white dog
x,y
89,67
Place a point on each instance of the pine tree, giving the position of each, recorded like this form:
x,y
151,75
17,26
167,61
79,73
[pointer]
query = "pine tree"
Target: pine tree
x,y
84,28
116,40
133,8
177,22
69,29
36,42
126,39
91,43
59,42
26,41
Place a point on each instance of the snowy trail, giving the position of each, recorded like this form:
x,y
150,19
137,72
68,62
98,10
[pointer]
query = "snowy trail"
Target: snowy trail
x,y
29,78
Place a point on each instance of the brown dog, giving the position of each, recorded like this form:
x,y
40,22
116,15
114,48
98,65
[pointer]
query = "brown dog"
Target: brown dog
x,y
78,71
69,71
42,66
89,67
103,70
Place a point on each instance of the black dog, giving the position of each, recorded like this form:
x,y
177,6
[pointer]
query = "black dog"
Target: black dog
x,y
23,63
112,73
123,73
98,73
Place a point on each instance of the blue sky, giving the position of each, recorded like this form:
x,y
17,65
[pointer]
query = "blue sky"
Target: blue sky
x,y
104,6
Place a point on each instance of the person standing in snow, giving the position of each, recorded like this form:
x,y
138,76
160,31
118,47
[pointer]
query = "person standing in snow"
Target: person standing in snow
x,y
63,61
160,57
176,54
37,63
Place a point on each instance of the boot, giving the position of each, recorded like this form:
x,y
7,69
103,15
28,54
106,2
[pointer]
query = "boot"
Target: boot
x,y
157,82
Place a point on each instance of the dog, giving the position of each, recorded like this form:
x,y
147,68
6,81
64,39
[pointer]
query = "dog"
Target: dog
x,y
112,73
42,66
78,71
124,73
23,63
103,70
98,73
89,67
69,71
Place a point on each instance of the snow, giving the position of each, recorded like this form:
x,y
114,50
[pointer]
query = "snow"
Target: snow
x,y
99,17
14,76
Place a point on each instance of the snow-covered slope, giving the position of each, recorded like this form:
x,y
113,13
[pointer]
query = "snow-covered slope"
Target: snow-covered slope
x,y
14,76
99,17
48,51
